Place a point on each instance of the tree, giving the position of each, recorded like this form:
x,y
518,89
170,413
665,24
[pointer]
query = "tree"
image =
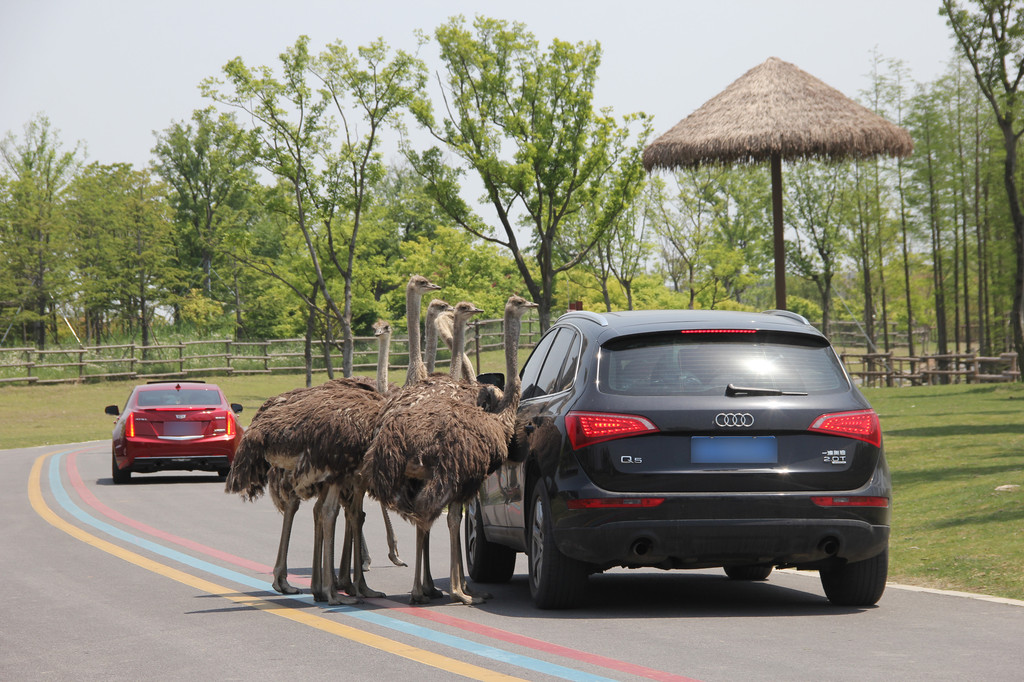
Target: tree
x,y
295,138
123,260
523,121
32,229
992,40
815,192
685,225
209,171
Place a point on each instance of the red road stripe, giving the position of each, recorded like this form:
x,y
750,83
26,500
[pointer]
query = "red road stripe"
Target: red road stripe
x,y
484,630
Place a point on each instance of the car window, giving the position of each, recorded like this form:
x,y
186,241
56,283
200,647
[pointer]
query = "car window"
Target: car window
x,y
532,369
705,363
551,374
199,397
568,371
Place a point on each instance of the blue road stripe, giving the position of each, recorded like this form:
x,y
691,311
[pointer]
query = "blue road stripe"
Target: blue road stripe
x,y
469,646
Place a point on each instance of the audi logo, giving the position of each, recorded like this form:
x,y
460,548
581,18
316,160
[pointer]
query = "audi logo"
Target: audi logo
x,y
734,419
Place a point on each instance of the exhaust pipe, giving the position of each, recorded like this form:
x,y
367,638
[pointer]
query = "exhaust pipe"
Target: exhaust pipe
x,y
641,547
829,545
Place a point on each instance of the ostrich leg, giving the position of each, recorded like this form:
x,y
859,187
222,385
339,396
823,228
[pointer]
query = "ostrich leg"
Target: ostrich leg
x,y
459,590
429,590
281,563
323,570
344,580
354,517
418,597
392,543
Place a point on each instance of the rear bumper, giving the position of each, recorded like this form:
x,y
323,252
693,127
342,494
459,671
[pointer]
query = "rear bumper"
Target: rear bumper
x,y
145,465
705,543
145,455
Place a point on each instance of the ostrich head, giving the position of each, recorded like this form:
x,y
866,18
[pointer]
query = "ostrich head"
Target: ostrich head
x,y
517,306
420,285
382,328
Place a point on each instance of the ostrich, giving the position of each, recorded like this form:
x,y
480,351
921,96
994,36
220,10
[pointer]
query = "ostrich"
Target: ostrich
x,y
444,327
311,440
318,439
286,496
434,445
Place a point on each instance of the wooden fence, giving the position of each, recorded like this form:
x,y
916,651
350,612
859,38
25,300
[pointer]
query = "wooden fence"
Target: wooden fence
x,y
287,356
225,357
887,369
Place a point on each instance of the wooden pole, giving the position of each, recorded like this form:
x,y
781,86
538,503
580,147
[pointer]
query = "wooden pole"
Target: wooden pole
x,y
780,242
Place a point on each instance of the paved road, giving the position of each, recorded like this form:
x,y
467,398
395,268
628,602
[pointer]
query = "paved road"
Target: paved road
x,y
168,579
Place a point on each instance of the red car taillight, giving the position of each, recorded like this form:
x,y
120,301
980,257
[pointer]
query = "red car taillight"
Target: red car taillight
x,y
862,425
615,503
229,424
587,428
130,428
851,501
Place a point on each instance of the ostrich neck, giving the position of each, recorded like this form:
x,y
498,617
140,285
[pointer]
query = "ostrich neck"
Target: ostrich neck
x,y
383,355
510,399
430,341
458,345
417,372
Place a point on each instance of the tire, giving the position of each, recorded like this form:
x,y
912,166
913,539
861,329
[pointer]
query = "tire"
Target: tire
x,y
755,572
556,581
486,562
120,476
860,583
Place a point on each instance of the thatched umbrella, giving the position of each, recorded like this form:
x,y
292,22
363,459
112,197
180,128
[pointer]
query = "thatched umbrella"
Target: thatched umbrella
x,y
777,111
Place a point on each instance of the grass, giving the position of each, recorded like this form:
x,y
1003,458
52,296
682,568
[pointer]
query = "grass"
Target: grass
x,y
949,449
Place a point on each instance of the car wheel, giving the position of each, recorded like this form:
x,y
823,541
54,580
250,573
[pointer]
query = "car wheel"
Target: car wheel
x,y
486,562
860,583
556,581
119,475
754,572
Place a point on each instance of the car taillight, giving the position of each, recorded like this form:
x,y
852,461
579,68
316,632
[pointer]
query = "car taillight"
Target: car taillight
x,y
615,503
131,425
229,424
850,501
862,425
587,428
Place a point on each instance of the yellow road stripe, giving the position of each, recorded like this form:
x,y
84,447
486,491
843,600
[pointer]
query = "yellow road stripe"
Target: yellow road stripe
x,y
391,646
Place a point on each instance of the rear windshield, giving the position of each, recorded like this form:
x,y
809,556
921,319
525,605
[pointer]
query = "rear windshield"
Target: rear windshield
x,y
705,363
198,397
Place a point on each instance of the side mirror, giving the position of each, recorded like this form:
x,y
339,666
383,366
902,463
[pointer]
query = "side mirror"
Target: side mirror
x,y
236,407
492,378
111,410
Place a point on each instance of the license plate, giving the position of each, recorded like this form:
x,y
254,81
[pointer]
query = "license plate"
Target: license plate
x,y
734,450
183,428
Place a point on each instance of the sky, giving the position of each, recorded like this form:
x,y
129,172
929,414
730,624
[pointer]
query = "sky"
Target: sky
x,y
112,73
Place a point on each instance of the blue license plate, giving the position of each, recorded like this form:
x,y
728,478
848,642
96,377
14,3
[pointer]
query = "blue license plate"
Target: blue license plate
x,y
734,450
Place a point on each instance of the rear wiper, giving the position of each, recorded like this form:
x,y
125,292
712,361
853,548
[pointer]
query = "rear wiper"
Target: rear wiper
x,y
732,391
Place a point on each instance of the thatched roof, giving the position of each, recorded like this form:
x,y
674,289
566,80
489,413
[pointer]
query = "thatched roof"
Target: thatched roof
x,y
777,107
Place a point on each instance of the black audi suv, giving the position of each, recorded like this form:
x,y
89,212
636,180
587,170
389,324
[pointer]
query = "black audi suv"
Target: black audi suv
x,y
686,439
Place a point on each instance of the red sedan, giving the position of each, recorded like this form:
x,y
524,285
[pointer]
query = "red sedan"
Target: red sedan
x,y
174,425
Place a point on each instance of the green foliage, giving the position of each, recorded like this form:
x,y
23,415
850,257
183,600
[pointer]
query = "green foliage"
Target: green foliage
x,y
124,247
522,120
33,231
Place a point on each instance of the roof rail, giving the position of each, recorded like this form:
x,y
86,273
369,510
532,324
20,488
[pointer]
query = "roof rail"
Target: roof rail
x,y
588,315
796,317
